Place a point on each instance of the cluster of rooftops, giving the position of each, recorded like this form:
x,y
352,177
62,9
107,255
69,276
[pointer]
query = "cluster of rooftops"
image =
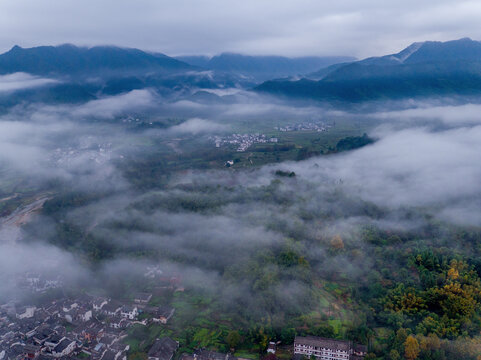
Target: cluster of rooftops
x,y
94,327
85,326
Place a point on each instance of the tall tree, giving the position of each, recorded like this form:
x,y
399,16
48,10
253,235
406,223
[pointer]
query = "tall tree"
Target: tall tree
x,y
411,348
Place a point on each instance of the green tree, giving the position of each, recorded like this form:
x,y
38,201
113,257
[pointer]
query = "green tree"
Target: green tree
x,y
288,335
394,355
233,339
324,331
401,336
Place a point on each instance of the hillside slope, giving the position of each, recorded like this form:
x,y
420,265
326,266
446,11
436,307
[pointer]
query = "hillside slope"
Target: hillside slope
x,y
422,69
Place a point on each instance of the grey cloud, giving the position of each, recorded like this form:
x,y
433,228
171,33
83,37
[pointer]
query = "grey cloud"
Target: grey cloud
x,y
197,126
37,258
114,105
360,28
408,168
450,115
43,142
20,81
247,213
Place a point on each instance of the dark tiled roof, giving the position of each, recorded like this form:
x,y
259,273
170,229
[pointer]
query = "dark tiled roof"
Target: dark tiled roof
x,y
31,349
99,301
44,357
15,350
112,306
164,311
163,348
55,338
63,345
323,342
108,355
212,355
360,348
187,357
355,357
142,296
127,308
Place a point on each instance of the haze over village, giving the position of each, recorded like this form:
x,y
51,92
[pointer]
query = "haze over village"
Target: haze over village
x,y
221,180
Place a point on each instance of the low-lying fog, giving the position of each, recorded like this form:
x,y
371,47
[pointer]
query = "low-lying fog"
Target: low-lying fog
x,y
425,162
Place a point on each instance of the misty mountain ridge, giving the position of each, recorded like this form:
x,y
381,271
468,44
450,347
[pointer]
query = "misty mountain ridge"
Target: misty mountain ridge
x,y
87,73
423,69
73,60
431,51
263,67
69,59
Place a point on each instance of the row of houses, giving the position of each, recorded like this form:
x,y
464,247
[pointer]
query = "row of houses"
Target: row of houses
x,y
81,310
89,326
46,335
94,327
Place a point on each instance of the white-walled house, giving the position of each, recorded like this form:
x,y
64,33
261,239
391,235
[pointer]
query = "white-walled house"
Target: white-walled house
x,y
64,348
86,316
272,347
118,323
163,314
25,312
69,306
99,303
129,312
142,298
112,308
53,341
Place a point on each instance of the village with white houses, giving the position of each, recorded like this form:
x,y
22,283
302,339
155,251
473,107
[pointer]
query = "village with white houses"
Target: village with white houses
x,y
80,327
304,126
95,327
242,142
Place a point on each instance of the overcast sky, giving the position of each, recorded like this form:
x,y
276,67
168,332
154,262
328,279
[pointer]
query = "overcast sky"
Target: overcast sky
x,y
286,27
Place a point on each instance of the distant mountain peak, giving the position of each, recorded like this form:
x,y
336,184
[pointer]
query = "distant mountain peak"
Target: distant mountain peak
x,y
15,48
431,68
454,50
427,51
407,52
466,39
68,59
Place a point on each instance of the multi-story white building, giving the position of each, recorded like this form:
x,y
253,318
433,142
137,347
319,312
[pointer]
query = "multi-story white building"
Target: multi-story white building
x,y
326,349
129,312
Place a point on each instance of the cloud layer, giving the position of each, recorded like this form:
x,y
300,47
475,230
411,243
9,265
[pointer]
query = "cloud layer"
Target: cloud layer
x,y
21,81
360,28
216,227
